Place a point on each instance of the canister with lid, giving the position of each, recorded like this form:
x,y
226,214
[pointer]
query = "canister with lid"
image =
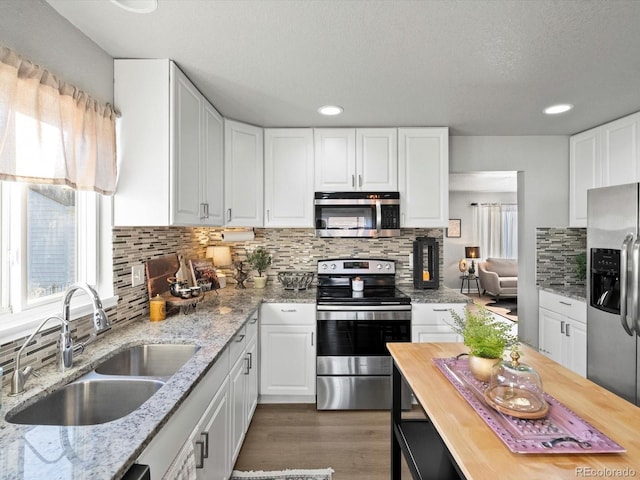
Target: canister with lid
x,y
157,308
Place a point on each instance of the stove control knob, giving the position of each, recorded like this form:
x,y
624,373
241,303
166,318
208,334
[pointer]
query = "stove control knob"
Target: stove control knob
x,y
379,267
333,266
324,266
387,266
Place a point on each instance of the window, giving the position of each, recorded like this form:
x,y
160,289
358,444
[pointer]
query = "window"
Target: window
x,y
50,236
497,230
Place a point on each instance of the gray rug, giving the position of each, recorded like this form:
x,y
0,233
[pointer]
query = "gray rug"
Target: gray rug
x,y
321,474
510,304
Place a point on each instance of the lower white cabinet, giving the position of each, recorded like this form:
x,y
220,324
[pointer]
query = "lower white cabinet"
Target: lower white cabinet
x,y
563,331
431,322
287,352
216,415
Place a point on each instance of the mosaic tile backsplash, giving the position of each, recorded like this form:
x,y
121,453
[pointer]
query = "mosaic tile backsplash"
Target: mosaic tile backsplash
x,y
291,249
556,250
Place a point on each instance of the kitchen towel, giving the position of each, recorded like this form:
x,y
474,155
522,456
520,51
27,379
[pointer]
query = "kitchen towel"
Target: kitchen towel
x,y
183,466
237,235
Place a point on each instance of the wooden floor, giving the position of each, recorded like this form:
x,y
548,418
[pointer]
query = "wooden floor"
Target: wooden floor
x,y
356,444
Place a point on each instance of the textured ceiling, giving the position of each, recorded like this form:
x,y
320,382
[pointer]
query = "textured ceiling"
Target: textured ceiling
x,y
481,67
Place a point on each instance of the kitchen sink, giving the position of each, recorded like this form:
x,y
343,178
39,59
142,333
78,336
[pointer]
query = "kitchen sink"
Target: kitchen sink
x,y
151,360
88,402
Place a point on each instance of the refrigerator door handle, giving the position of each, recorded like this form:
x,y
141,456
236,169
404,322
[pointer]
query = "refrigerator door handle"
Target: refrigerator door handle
x,y
635,285
624,250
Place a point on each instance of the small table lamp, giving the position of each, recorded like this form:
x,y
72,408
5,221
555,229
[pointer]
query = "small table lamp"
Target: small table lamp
x,y
221,258
472,253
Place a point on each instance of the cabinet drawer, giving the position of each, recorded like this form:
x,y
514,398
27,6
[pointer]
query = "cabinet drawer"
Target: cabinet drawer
x,y
237,345
252,326
569,307
288,314
435,313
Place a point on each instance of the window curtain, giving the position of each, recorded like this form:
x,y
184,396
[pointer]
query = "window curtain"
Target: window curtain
x,y
51,132
496,228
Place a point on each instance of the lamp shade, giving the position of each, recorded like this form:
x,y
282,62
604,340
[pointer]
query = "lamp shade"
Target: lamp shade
x,y
472,252
221,255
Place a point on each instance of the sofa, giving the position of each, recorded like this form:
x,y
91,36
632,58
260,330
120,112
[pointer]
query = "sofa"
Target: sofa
x,y
499,277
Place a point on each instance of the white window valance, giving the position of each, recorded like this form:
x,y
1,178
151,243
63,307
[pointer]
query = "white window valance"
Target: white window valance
x,y
51,132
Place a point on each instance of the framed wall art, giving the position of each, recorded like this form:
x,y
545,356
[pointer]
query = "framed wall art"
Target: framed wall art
x,y
453,231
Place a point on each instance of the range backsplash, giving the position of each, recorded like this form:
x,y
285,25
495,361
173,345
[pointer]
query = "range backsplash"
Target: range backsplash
x,y
291,249
556,250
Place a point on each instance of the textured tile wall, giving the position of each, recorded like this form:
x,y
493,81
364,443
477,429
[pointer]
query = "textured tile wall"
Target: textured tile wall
x,y
291,249
556,250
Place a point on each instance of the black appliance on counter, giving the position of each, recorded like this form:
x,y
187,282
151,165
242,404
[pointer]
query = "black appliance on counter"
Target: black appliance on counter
x,y
353,328
426,263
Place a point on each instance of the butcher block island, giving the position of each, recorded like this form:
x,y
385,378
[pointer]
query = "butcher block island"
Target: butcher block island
x,y
455,441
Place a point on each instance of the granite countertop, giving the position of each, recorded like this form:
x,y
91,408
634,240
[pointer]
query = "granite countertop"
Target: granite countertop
x,y
576,292
106,451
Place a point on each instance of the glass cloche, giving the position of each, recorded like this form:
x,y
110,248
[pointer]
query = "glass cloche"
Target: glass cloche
x,y
516,389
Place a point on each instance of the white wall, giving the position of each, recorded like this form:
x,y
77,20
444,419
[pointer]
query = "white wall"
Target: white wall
x,y
542,163
36,31
460,207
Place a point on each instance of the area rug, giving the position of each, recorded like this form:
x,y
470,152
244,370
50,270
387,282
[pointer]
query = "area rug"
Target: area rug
x,y
321,474
509,304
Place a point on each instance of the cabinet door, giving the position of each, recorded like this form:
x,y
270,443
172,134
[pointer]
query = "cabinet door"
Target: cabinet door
x,y
211,440
213,167
551,331
584,173
186,107
433,333
287,360
288,177
620,153
237,405
377,159
252,379
244,175
423,176
576,347
335,159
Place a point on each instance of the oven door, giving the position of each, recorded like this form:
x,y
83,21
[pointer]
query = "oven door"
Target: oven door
x,y
361,333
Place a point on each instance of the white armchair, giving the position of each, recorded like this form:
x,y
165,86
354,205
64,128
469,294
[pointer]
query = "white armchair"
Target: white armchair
x,y
499,276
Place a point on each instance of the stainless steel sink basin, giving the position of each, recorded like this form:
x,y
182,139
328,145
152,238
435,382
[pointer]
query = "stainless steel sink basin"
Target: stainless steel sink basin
x,y
88,402
153,360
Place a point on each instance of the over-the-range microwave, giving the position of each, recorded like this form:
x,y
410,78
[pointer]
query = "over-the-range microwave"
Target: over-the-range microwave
x,y
357,214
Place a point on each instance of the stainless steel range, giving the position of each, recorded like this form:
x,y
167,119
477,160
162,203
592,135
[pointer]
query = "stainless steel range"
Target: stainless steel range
x,y
354,323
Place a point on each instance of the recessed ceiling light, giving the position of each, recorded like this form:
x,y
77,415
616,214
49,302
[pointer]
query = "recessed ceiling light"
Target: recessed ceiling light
x,y
331,110
559,108
137,6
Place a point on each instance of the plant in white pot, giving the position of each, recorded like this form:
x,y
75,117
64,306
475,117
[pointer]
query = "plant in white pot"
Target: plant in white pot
x,y
259,260
486,338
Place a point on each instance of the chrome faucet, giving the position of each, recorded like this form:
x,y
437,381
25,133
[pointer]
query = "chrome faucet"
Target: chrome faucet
x,y
67,349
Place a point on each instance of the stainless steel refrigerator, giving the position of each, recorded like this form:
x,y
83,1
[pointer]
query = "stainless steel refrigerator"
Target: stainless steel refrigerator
x,y
613,289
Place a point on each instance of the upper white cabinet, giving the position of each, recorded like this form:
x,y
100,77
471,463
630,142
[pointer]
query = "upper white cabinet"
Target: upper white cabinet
x,y
288,177
243,174
600,157
423,171
363,159
170,149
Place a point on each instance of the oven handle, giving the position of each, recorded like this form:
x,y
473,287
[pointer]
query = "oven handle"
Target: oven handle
x,y
339,308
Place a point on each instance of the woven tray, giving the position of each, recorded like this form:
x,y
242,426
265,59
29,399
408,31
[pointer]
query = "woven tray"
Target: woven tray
x,y
523,435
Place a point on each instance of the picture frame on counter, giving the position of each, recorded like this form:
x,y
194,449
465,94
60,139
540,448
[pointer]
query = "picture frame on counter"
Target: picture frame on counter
x,y
454,230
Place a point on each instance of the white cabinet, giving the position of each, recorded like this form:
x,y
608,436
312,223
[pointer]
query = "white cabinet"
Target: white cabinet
x,y
431,322
243,175
603,156
170,148
288,177
423,177
363,159
287,352
563,331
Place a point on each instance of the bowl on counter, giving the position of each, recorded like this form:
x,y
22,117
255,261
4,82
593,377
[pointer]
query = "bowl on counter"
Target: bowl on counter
x,y
295,280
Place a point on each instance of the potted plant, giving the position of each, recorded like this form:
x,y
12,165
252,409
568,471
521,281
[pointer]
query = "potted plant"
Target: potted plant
x,y
486,338
260,260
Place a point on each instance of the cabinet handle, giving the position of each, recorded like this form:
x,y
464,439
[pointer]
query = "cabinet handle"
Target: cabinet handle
x,y
203,210
206,209
241,337
440,309
360,180
565,303
284,310
201,464
250,360
268,215
353,180
246,360
567,330
206,444
253,320
312,339
228,214
562,322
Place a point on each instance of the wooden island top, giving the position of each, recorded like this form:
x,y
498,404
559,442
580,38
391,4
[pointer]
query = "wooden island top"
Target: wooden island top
x,y
478,451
